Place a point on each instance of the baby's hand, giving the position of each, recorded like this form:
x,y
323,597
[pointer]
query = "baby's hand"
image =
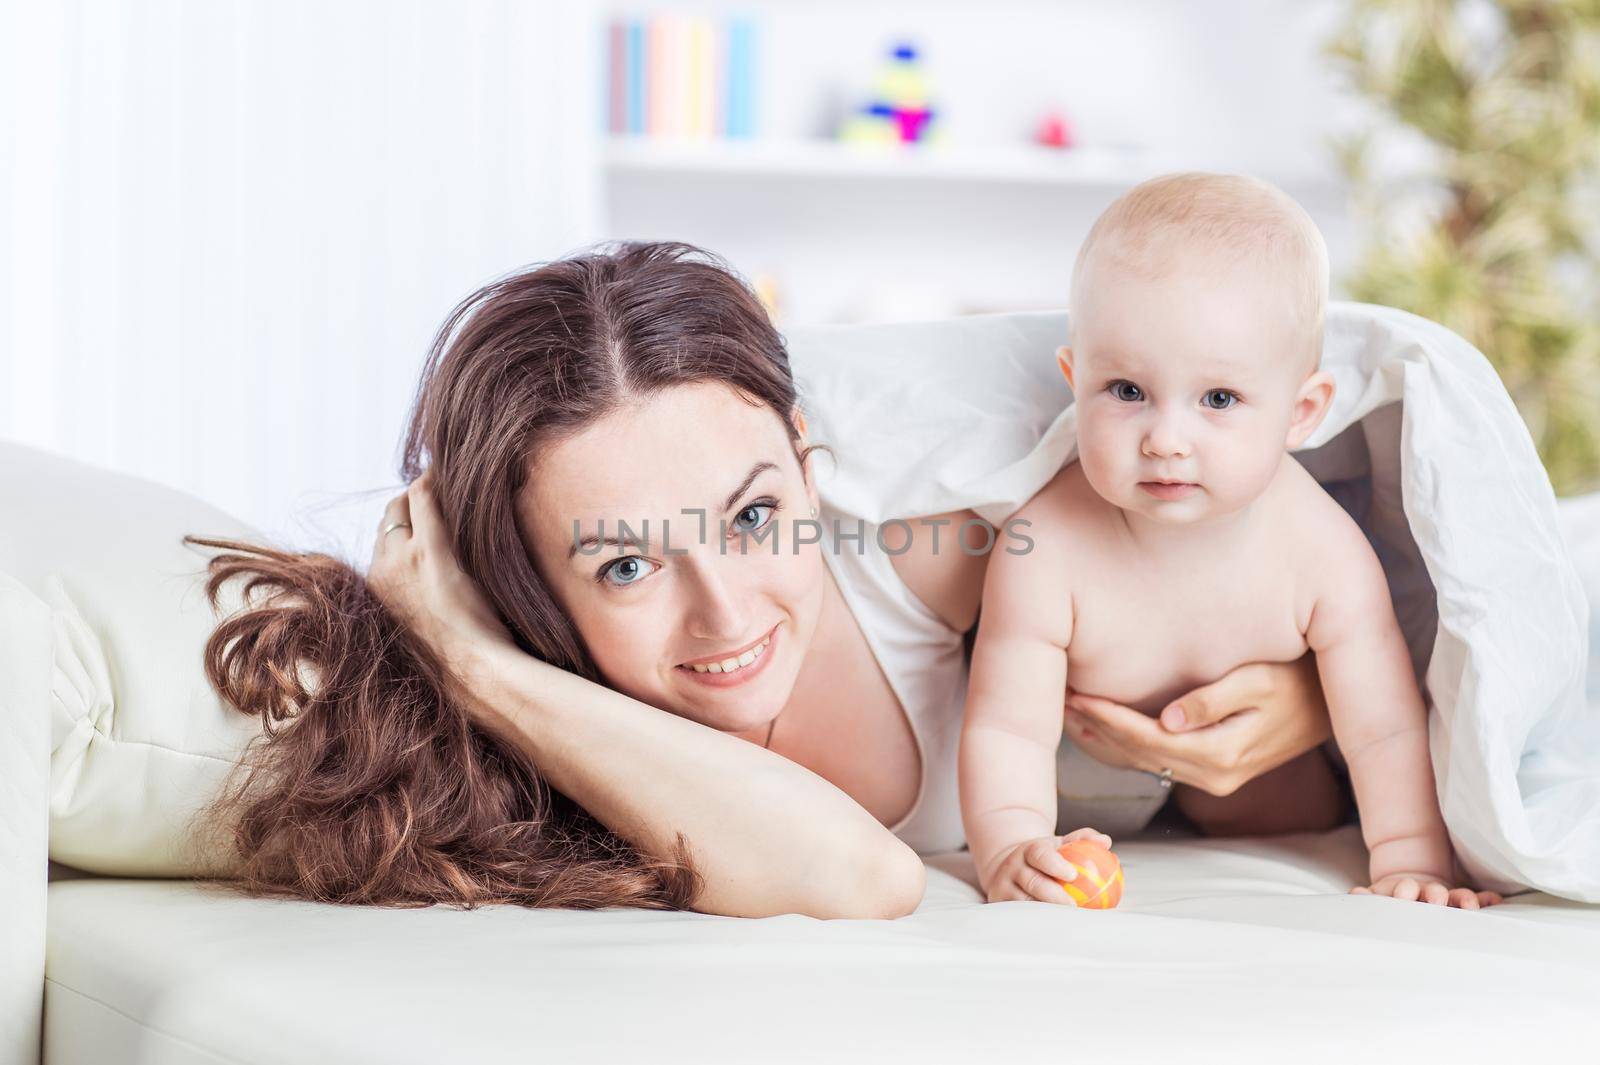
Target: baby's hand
x,y
1420,887
1032,869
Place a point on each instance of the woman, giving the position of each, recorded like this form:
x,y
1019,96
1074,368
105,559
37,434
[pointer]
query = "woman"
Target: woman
x,y
479,720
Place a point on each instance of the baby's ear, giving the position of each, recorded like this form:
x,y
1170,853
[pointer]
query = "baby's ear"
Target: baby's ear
x,y
1064,360
1311,405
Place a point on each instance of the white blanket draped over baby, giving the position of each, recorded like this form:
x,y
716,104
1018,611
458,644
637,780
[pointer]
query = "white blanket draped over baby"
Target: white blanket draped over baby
x,y
1422,444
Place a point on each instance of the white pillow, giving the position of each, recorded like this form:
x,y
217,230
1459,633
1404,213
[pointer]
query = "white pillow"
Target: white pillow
x,y
139,740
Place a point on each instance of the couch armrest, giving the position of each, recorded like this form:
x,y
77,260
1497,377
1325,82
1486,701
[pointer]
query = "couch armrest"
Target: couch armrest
x,y
25,671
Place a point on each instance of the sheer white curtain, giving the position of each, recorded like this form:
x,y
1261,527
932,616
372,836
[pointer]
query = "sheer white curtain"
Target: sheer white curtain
x,y
231,227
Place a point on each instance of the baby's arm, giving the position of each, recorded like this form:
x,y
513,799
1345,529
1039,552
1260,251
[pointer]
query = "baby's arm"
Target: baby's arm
x,y
1379,719
1012,726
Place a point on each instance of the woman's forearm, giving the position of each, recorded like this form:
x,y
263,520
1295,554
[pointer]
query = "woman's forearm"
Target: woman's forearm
x,y
768,836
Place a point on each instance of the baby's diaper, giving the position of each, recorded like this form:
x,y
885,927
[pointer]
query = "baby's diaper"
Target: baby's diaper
x,y
1091,794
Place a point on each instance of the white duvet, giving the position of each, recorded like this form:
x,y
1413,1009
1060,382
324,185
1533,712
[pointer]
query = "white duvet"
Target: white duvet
x,y
1422,444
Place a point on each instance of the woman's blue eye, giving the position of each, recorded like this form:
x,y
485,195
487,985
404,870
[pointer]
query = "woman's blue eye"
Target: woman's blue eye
x,y
1220,399
625,571
1126,391
754,516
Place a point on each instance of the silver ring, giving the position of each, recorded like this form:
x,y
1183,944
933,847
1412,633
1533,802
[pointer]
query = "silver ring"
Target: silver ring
x,y
392,526
1165,776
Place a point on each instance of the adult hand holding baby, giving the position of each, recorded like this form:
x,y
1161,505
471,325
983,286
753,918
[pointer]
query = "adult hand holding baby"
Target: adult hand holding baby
x,y
1218,737
1255,719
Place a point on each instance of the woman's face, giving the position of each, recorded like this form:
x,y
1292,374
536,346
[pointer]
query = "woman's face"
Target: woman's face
x,y
704,604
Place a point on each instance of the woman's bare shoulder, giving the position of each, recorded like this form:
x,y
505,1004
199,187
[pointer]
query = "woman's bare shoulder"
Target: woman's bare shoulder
x,y
928,555
949,579
1059,493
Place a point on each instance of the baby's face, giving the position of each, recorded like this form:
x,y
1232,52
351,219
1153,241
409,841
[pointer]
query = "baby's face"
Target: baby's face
x,y
1188,389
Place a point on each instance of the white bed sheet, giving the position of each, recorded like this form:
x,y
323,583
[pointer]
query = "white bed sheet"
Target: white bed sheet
x,y
1242,950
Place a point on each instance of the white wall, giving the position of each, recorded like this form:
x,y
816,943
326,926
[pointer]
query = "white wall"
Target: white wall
x,y
233,227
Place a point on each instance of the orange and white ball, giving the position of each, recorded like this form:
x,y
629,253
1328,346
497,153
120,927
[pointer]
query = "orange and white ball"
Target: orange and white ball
x,y
1099,883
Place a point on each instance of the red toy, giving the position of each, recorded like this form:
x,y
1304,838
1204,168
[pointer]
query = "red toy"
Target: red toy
x,y
1055,131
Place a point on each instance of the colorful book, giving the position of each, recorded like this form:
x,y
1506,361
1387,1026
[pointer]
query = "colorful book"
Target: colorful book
x,y
617,78
680,76
634,60
741,79
698,76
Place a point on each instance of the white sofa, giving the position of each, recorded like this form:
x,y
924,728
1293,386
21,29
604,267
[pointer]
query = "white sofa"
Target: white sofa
x,y
110,740
1226,951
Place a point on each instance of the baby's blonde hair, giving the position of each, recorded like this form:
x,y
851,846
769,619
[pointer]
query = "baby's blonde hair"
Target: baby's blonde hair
x,y
1237,218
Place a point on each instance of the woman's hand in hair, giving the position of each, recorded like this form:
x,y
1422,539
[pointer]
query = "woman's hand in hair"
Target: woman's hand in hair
x,y
415,573
1217,738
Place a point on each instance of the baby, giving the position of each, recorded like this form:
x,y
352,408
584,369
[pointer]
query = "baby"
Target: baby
x,y
1184,541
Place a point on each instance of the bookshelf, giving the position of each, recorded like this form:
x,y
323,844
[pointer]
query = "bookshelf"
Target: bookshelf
x,y
981,217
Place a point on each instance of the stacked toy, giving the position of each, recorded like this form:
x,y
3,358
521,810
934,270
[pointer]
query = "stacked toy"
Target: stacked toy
x,y
901,109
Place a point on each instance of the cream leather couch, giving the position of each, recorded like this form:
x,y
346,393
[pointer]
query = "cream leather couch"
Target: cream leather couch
x,y
110,740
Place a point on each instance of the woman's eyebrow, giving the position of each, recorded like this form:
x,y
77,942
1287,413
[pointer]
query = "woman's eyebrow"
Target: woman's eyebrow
x,y
755,471
587,544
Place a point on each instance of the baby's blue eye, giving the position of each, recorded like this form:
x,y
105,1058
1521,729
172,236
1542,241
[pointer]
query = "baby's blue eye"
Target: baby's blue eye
x,y
625,571
1220,399
1126,391
753,517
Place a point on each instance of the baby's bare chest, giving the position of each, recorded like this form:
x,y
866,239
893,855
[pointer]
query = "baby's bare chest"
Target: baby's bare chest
x,y
1143,635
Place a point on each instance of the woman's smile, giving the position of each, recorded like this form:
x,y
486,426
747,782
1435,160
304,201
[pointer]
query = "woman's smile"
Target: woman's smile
x,y
734,668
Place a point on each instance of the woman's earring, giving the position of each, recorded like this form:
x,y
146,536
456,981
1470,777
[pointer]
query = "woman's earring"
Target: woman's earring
x,y
813,512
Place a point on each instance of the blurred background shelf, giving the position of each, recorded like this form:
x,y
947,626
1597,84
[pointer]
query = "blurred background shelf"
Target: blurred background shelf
x,y
836,227
791,158
1081,167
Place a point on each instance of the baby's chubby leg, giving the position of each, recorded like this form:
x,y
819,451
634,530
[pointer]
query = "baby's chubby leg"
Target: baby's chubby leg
x,y
1302,795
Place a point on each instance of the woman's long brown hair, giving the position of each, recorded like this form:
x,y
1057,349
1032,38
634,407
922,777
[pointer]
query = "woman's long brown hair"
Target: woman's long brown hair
x,y
368,784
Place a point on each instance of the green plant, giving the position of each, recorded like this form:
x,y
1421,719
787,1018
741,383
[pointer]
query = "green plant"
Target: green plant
x,y
1478,177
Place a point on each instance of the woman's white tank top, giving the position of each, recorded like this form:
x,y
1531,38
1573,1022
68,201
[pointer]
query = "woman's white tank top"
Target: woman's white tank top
x,y
923,661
